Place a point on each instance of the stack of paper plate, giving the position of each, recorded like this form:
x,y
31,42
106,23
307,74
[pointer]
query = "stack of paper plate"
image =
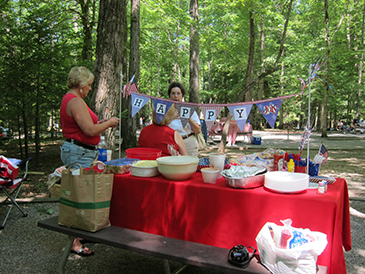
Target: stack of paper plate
x,y
286,182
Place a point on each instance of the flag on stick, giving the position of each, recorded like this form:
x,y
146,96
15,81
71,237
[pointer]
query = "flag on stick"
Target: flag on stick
x,y
323,152
131,86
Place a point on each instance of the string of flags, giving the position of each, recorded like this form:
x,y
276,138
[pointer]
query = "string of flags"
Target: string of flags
x,y
240,111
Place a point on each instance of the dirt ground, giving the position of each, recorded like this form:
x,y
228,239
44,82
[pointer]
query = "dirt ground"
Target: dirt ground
x,y
346,157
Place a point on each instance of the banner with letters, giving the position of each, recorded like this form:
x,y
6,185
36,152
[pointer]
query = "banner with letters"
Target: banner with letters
x,y
240,111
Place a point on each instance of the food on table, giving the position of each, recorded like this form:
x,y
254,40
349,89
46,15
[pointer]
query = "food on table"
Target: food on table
x,y
146,163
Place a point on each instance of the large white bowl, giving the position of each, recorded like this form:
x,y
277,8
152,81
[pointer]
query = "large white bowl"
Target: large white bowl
x,y
286,182
177,168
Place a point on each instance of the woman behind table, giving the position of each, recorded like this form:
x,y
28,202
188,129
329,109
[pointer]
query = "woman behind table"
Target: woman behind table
x,y
161,136
176,92
81,129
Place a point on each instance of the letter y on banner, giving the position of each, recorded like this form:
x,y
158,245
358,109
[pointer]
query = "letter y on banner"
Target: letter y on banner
x,y
161,108
270,110
240,114
138,101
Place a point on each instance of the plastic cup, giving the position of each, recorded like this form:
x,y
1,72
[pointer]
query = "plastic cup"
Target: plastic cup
x,y
108,155
216,160
209,174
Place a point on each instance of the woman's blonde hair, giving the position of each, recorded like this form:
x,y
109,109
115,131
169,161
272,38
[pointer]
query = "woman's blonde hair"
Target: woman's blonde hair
x,y
79,77
167,119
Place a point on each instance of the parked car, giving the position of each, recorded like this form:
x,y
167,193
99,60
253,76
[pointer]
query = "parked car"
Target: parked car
x,y
5,133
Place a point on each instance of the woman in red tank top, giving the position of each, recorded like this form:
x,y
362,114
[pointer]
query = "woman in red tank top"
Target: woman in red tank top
x,y
161,136
81,129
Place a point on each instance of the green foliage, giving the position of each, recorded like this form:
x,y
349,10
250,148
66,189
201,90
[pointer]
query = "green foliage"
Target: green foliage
x,y
41,40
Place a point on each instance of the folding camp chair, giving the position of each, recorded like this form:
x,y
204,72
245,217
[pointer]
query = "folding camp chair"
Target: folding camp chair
x,y
9,183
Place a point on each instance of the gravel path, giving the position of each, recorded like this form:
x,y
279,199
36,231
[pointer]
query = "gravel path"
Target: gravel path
x,y
26,248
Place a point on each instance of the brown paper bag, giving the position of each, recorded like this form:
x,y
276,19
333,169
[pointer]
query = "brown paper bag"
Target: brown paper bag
x,y
85,199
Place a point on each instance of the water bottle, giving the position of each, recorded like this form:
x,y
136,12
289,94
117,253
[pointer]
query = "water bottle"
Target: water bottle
x,y
102,150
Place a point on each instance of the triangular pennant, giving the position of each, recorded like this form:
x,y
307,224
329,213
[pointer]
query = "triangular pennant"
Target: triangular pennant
x,y
161,108
185,112
240,114
210,114
270,110
138,101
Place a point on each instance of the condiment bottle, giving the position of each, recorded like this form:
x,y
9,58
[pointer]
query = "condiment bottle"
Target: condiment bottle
x,y
285,236
325,186
321,188
291,165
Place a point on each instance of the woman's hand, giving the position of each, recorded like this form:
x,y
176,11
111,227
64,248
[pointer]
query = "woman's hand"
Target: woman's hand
x,y
194,126
114,121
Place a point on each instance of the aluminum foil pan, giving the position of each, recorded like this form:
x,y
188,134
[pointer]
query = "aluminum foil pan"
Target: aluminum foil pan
x,y
237,179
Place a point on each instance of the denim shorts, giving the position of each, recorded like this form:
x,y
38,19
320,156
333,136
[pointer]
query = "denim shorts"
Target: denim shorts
x,y
71,153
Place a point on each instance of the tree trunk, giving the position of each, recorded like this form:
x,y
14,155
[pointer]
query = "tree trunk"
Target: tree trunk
x,y
358,105
251,54
257,121
88,24
194,53
249,72
275,66
281,122
325,100
108,63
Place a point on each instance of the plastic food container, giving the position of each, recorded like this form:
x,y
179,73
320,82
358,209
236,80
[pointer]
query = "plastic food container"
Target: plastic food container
x,y
204,162
144,153
144,171
119,166
177,168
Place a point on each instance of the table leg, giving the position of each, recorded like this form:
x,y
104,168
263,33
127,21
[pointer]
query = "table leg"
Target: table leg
x,y
66,252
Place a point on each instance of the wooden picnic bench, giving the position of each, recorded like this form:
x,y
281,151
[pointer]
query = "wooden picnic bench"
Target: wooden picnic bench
x,y
187,253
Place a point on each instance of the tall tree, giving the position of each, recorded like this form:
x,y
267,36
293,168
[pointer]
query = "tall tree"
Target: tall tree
x,y
108,63
129,125
87,15
194,53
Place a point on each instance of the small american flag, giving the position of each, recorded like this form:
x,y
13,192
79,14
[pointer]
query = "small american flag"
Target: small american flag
x,y
323,152
130,87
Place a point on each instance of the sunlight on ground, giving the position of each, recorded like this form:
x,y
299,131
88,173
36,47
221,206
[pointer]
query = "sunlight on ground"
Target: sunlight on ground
x,y
356,213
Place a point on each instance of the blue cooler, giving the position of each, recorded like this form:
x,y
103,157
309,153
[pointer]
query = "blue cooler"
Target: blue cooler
x,y
256,140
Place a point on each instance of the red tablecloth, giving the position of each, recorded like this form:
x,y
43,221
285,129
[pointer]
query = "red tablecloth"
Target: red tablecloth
x,y
221,216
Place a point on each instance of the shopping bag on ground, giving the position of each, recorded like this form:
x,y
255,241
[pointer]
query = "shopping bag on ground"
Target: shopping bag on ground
x,y
85,199
285,249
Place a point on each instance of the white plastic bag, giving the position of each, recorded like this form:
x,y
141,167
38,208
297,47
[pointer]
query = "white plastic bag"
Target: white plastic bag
x,y
301,253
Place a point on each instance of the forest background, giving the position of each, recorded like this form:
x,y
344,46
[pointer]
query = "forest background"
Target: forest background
x,y
222,52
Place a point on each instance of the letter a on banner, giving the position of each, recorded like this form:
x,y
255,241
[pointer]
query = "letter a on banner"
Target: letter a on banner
x,y
240,114
161,108
210,113
270,110
138,102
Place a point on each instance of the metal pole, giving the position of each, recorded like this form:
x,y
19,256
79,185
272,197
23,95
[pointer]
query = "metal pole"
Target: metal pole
x,y
120,114
309,114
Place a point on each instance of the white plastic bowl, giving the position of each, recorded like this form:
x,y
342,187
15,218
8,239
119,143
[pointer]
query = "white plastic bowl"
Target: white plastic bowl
x,y
286,182
209,174
177,168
